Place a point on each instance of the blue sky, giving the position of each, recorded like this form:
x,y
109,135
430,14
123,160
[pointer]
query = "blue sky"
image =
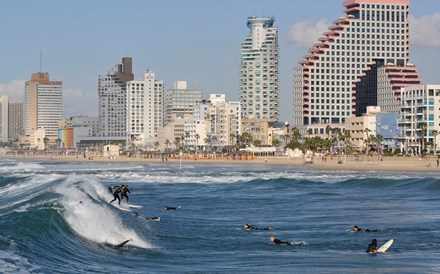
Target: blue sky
x,y
193,40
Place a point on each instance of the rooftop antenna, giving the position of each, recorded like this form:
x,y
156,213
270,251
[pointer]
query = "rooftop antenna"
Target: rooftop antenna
x,y
41,60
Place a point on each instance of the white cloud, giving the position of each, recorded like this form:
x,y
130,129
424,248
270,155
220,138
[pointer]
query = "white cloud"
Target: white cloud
x,y
305,34
426,30
14,89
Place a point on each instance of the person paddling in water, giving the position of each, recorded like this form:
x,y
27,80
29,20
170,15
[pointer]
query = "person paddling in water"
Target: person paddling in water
x,y
121,244
278,242
172,207
249,227
372,247
358,229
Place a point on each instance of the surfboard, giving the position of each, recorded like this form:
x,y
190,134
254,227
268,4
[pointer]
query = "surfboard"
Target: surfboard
x,y
385,247
135,206
121,207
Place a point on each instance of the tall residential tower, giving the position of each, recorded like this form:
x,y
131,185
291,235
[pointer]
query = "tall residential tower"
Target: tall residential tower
x,y
43,106
372,34
259,96
112,94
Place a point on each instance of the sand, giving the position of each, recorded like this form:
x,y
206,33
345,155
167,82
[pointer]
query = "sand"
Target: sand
x,y
362,163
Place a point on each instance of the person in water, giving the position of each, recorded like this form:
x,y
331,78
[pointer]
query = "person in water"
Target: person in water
x,y
372,247
155,218
358,229
171,207
121,244
124,193
116,194
111,188
249,227
278,242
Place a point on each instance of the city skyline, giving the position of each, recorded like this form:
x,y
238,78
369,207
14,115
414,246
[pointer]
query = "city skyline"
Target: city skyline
x,y
187,41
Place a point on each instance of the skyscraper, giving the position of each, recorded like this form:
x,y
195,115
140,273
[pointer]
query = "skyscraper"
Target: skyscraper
x,y
43,104
259,97
112,94
373,34
144,110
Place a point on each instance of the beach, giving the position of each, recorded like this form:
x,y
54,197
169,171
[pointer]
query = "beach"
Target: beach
x,y
349,162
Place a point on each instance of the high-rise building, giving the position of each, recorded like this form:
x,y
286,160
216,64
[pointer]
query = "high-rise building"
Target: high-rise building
x,y
420,118
112,97
144,110
15,118
374,33
259,96
4,123
43,105
180,101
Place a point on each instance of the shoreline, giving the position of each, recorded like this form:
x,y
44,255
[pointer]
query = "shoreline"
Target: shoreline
x,y
373,163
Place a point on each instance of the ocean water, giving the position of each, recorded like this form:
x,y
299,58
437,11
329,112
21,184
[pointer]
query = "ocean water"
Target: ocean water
x,y
45,229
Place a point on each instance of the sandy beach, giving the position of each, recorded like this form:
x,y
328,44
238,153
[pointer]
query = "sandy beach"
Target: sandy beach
x,y
363,163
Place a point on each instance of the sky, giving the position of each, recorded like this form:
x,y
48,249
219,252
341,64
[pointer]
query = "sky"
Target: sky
x,y
197,41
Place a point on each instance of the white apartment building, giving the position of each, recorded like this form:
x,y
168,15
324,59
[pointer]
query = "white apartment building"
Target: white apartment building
x,y
223,121
361,128
180,101
326,85
112,100
259,87
85,121
144,110
420,118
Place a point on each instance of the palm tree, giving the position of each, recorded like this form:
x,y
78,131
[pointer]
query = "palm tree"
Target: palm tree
x,y
296,135
197,141
45,141
177,142
423,127
379,139
167,143
367,140
435,133
156,144
310,132
328,130
276,142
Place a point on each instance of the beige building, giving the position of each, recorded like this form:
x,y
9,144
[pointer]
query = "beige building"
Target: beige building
x,y
43,105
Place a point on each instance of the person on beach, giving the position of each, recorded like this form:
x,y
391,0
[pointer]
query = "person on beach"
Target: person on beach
x,y
278,242
124,193
358,229
249,227
372,247
116,194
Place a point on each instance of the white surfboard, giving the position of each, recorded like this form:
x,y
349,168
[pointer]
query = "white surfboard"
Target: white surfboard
x,y
385,247
120,207
135,206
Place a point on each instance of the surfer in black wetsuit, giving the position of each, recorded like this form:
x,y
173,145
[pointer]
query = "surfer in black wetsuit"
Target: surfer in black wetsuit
x,y
249,227
358,229
278,242
116,194
155,218
372,247
111,188
121,244
124,193
172,207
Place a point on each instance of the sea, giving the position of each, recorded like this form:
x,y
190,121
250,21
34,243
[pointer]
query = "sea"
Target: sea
x,y
55,217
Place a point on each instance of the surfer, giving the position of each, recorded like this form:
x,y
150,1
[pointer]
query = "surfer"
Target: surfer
x,y
155,218
277,241
372,247
171,207
124,193
358,229
121,244
111,188
249,227
116,194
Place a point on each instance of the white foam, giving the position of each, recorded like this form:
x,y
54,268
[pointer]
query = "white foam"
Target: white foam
x,y
93,220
